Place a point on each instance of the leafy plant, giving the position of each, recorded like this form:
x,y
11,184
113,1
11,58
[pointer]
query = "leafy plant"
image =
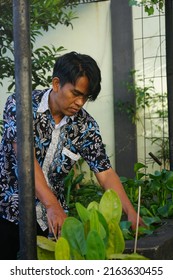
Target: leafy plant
x,y
153,105
96,236
70,183
162,153
42,18
86,192
81,168
132,185
145,98
149,5
156,193
78,191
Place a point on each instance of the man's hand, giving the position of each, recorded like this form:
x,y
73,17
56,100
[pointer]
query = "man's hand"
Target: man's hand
x,y
132,217
56,217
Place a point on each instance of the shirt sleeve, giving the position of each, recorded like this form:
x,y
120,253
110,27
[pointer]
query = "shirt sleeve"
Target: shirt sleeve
x,y
93,150
9,119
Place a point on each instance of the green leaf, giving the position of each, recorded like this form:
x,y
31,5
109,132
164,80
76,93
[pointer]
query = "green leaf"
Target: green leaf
x,y
95,247
143,230
153,209
68,179
145,212
110,206
105,225
170,181
78,179
73,231
82,212
68,185
151,220
163,211
160,5
45,243
93,204
45,248
149,10
138,166
123,179
62,249
140,175
116,243
126,230
95,223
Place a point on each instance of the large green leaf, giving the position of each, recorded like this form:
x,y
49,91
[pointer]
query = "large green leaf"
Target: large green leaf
x,y
110,206
116,243
73,231
95,223
95,246
62,249
105,225
45,248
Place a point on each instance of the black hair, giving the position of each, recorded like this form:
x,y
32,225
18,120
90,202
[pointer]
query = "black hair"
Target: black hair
x,y
71,66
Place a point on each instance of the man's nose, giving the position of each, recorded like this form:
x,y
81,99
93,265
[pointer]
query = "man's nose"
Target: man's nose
x,y
80,101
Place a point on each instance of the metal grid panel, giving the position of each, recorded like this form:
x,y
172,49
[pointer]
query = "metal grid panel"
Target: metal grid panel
x,y
150,40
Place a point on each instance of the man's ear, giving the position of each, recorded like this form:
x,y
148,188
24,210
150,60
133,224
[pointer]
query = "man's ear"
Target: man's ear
x,y
55,84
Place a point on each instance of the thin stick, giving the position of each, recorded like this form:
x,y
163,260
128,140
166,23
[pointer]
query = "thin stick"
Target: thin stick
x,y
137,222
52,228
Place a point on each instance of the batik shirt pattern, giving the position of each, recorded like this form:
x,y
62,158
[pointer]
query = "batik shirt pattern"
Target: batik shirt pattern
x,y
79,137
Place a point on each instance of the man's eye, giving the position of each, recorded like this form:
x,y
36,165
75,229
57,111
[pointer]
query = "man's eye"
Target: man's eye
x,y
75,93
78,94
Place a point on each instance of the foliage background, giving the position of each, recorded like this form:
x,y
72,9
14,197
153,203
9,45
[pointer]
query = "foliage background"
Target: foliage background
x,y
42,18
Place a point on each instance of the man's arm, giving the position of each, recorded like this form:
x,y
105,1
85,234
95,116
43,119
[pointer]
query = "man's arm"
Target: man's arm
x,y
55,212
109,180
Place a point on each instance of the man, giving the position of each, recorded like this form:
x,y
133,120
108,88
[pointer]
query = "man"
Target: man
x,y
63,132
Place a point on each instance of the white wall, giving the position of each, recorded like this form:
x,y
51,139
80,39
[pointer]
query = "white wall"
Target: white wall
x,y
91,34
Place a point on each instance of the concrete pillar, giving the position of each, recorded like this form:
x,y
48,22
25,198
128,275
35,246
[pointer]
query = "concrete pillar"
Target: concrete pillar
x,y
123,63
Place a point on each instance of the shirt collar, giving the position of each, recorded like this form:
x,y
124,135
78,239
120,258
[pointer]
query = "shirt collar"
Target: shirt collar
x,y
44,106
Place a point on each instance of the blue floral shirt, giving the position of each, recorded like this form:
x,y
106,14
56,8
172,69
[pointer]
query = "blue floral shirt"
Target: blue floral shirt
x,y
79,136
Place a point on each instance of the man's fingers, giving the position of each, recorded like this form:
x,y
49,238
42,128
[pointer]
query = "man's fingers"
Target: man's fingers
x,y
52,229
59,231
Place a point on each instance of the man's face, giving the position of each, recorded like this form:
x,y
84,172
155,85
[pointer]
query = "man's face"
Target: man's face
x,y
69,99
